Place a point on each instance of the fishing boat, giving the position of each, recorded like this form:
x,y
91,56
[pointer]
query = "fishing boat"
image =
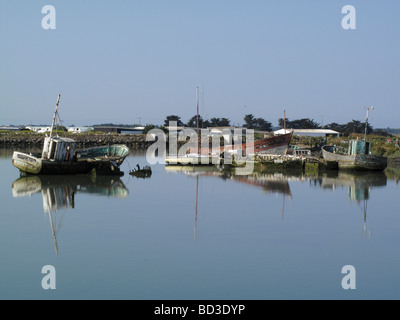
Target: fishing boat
x,y
61,157
197,157
358,157
277,145
274,144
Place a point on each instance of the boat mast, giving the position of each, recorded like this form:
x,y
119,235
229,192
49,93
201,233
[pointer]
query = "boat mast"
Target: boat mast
x,y
55,115
366,121
284,120
198,141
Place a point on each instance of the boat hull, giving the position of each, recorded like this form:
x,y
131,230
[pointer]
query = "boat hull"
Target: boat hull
x,y
26,163
116,153
31,165
66,168
360,162
105,160
277,145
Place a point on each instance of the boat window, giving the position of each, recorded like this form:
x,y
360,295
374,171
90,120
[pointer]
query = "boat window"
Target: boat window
x,y
53,150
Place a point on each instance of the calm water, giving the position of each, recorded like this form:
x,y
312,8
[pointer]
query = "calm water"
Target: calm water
x,y
199,235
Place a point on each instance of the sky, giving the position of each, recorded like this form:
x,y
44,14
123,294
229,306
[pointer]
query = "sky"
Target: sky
x,y
130,62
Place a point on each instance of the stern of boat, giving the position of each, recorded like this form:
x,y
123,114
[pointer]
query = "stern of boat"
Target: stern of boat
x,y
26,162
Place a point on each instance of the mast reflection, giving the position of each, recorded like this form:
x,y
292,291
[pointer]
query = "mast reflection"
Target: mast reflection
x,y
359,184
269,183
58,192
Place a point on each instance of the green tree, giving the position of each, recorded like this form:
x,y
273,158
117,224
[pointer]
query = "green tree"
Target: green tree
x,y
356,126
256,123
382,132
193,122
249,121
219,122
148,127
173,118
304,123
336,127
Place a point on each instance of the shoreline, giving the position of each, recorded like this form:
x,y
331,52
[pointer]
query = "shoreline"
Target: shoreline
x,y
82,140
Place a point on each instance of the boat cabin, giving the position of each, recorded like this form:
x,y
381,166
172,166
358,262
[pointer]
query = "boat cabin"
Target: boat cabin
x,y
358,147
58,149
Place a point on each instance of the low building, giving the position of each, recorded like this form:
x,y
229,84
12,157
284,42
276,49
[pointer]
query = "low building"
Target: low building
x,y
10,128
80,129
117,129
38,129
309,132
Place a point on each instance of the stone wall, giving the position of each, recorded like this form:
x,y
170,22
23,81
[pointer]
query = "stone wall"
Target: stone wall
x,y
83,141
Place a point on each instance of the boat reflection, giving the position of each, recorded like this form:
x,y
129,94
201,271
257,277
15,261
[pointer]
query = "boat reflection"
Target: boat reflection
x,y
269,183
58,192
359,184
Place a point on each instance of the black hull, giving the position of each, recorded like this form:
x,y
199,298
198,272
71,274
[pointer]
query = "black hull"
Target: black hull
x,y
66,168
78,167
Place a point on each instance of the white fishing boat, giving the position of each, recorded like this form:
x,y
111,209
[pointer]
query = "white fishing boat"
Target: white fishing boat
x,y
358,155
194,158
60,156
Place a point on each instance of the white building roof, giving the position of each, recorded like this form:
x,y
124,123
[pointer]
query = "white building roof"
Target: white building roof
x,y
311,132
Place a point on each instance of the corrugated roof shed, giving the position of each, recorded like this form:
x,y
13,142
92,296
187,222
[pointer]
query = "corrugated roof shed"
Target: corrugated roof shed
x,y
309,132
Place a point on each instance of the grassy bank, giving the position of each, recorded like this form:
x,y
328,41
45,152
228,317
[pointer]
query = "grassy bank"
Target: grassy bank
x,y
380,145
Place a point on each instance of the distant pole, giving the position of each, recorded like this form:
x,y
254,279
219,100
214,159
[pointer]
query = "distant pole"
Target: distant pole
x,y
202,103
366,121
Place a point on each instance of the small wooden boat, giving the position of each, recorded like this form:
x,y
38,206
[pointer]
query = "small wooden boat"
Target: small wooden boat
x,y
60,156
144,172
358,157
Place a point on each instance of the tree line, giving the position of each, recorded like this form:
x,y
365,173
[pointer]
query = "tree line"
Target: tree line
x,y
260,124
251,122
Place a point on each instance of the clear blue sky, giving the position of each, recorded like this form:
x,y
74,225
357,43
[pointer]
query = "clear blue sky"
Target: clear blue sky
x,y
116,61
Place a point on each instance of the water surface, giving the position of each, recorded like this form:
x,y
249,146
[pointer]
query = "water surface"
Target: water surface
x,y
199,234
